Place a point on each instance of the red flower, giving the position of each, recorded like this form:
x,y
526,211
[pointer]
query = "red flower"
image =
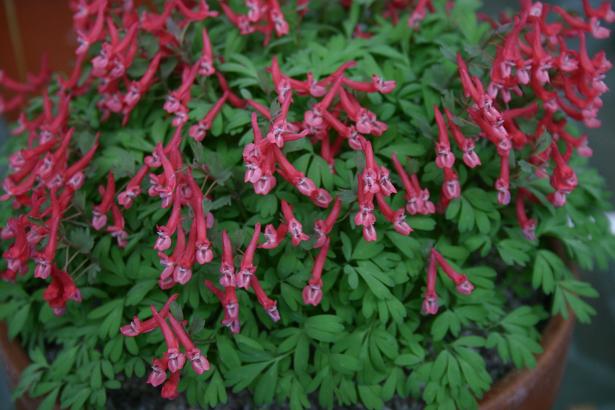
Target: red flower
x,y
247,268
273,236
312,293
176,359
461,281
323,227
199,130
197,359
60,291
294,226
137,327
430,298
227,267
99,213
269,305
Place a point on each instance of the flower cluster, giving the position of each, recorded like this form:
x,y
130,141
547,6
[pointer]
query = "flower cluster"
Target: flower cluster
x,y
535,58
173,359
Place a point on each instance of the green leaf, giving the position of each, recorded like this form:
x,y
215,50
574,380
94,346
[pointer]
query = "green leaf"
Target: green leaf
x,y
139,290
324,328
18,321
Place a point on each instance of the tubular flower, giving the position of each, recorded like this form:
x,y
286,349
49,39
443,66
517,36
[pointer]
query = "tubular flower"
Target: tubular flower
x,y
312,293
295,229
176,359
247,268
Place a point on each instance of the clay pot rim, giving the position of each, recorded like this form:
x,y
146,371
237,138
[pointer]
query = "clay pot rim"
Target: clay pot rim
x,y
555,334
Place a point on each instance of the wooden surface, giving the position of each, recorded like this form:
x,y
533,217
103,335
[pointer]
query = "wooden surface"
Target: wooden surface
x,y
45,26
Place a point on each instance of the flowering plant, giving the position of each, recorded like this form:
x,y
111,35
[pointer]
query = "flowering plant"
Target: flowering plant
x,y
313,201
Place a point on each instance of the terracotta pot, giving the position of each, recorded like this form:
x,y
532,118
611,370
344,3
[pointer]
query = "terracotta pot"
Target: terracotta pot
x,y
535,389
14,359
532,389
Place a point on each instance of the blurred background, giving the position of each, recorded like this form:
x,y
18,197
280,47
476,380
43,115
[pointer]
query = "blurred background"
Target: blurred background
x,y
31,28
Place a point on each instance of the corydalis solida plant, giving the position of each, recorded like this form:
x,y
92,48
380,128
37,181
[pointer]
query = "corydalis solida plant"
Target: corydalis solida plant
x,y
330,111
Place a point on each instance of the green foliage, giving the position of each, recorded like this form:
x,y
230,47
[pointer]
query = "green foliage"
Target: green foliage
x,y
367,342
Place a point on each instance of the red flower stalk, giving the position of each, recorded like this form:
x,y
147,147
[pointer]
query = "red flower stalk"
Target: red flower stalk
x,y
117,229
176,359
563,179
183,271
99,213
397,218
199,130
466,145
312,293
204,253
365,120
44,261
241,21
294,226
365,216
273,236
461,281
136,327
202,12
170,263
419,13
451,188
444,156
136,89
247,268
430,298
166,190
417,199
177,99
502,183
133,189
206,62
163,242
378,84
528,225
227,267
355,140
323,227
197,359
305,185
228,300
369,176
86,40
73,175
269,305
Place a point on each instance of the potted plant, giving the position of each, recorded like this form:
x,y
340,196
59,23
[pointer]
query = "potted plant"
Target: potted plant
x,y
315,203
